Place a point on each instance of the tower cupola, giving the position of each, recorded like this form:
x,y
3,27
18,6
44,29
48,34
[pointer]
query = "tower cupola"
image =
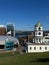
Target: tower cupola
x,y
38,30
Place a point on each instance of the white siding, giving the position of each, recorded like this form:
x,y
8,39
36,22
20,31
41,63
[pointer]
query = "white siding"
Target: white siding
x,y
37,48
37,28
2,42
37,33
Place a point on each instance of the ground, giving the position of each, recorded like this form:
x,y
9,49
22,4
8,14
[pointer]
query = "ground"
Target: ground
x,y
24,59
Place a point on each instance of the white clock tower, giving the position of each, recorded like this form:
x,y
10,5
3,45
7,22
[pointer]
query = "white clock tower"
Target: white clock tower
x,y
38,30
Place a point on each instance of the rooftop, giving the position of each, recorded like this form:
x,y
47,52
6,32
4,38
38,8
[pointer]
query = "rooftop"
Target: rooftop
x,y
38,24
9,38
37,43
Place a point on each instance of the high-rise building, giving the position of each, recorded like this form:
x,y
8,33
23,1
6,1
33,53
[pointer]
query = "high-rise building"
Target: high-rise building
x,y
10,28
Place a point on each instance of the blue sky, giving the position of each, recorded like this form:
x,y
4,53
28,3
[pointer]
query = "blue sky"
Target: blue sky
x,y
24,13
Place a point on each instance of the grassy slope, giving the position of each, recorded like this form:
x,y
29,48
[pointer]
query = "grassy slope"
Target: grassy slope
x,y
25,59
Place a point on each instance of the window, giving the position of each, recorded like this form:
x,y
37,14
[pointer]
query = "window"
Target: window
x,y
40,48
45,41
46,37
34,48
30,48
45,48
39,28
40,40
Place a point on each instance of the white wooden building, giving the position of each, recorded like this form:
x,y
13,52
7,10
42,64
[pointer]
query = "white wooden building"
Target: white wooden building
x,y
31,47
40,42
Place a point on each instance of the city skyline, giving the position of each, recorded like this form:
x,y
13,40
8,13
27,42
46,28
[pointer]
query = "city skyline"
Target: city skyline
x,y
25,13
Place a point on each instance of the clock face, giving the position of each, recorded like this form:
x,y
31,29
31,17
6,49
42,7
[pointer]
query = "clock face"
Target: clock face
x,y
39,33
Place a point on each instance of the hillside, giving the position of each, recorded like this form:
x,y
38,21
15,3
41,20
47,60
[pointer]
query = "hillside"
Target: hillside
x,y
17,33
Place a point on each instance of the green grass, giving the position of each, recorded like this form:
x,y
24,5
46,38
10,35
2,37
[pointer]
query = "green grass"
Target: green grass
x,y
24,59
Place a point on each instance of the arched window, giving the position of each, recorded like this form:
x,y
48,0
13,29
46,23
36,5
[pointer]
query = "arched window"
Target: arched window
x,y
40,48
39,28
45,48
34,48
30,48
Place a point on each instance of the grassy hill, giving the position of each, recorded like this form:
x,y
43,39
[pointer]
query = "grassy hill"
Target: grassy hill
x,y
25,59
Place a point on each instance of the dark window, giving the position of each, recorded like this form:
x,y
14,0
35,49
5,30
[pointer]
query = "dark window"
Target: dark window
x,y
40,48
30,48
45,41
47,38
9,46
45,48
39,28
39,40
34,48
1,46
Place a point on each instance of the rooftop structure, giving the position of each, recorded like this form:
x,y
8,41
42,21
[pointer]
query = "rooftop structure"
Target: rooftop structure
x,y
38,24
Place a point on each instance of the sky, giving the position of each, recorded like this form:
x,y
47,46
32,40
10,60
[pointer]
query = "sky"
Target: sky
x,y
24,14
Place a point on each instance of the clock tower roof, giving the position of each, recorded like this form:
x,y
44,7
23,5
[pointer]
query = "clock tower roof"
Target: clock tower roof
x,y
38,24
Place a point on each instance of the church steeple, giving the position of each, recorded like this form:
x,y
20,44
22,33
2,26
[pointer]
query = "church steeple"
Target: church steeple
x,y
38,32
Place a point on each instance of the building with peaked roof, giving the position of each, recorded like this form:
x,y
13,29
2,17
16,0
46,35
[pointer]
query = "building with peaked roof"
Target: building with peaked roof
x,y
40,42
